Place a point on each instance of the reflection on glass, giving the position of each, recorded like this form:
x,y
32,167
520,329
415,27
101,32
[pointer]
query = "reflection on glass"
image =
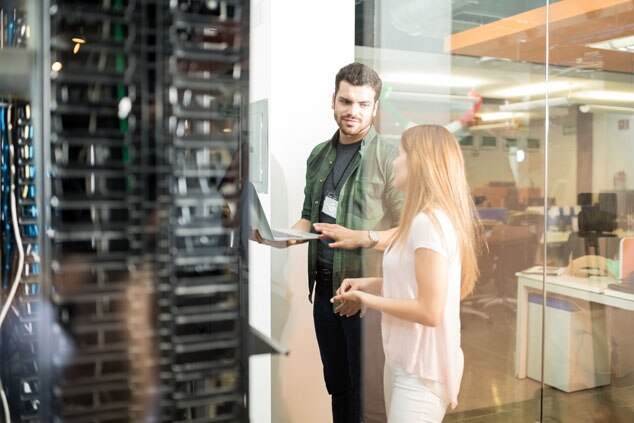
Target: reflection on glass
x,y
545,134
590,138
432,56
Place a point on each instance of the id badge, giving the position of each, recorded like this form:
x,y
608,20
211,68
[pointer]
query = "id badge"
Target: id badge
x,y
330,206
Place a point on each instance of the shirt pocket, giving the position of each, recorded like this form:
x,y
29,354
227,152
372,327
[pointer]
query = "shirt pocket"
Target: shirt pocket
x,y
368,199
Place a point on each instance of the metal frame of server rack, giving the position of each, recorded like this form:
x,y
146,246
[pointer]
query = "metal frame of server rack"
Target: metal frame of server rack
x,y
202,304
140,155
99,282
20,85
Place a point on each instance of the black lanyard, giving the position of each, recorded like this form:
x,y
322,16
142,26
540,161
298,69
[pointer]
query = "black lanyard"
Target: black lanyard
x,y
345,170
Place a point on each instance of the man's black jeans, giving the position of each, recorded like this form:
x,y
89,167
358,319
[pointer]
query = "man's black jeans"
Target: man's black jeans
x,y
339,340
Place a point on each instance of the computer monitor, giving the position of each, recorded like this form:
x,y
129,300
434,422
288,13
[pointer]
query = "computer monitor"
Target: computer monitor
x,y
595,235
608,202
584,199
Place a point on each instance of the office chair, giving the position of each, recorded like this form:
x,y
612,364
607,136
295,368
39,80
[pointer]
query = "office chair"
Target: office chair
x,y
511,248
595,235
489,216
514,249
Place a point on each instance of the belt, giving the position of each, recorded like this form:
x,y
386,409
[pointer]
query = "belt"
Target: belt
x,y
324,274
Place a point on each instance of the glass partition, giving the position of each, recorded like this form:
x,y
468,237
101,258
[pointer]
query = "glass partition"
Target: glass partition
x,y
465,65
588,350
539,96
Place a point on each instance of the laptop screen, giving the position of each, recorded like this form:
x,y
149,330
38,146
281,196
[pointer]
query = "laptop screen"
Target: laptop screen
x,y
257,216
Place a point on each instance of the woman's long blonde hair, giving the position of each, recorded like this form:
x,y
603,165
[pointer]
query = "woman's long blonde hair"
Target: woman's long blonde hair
x,y
436,180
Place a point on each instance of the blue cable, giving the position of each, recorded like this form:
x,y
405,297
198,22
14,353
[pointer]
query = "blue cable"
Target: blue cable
x,y
10,28
6,193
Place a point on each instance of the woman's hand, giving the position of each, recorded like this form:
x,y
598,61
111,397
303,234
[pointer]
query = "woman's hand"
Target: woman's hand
x,y
351,284
347,239
348,295
351,302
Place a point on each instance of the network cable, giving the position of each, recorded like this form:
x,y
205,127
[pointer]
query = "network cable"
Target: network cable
x,y
16,234
6,188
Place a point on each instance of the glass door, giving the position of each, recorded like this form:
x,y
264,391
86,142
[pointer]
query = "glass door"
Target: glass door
x,y
588,352
471,66
539,96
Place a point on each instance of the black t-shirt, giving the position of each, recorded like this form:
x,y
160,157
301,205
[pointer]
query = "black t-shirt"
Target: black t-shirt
x,y
336,179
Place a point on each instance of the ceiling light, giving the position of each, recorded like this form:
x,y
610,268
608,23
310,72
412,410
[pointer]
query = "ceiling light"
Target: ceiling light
x,y
535,104
587,108
616,44
501,125
492,116
606,96
432,80
56,67
433,97
534,89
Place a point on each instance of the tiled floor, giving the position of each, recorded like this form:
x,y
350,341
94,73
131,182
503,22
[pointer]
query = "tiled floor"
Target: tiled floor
x,y
491,393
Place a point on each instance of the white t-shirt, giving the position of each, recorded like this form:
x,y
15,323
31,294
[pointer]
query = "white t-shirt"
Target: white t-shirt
x,y
432,353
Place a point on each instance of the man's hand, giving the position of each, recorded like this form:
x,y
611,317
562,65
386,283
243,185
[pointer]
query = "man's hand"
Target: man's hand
x,y
254,235
347,239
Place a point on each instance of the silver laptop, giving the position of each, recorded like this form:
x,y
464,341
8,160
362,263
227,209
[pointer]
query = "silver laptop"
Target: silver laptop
x,y
258,221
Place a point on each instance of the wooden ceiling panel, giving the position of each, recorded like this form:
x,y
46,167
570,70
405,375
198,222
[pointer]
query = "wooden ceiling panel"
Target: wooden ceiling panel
x,y
573,25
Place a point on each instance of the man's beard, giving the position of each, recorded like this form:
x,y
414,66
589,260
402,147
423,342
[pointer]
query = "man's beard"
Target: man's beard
x,y
351,132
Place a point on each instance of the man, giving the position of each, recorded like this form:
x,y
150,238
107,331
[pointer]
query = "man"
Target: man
x,y
348,195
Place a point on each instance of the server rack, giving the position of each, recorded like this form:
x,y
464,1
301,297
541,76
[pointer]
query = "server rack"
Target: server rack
x,y
204,99
20,289
130,155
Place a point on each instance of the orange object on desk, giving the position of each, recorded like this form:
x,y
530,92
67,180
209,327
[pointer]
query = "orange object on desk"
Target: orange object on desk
x,y
495,196
524,195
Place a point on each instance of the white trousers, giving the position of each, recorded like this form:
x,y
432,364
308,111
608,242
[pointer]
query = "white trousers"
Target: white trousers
x,y
408,399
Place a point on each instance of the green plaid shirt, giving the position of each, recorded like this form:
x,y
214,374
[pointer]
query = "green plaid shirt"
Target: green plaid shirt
x,y
367,200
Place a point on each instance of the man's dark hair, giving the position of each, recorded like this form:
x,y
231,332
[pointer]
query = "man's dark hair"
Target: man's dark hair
x,y
358,74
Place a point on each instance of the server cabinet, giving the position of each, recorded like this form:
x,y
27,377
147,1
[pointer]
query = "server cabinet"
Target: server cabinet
x,y
123,159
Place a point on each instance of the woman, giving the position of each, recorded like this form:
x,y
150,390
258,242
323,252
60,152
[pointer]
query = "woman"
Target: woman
x,y
429,267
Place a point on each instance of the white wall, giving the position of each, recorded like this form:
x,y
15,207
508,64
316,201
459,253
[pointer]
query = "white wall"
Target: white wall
x,y
612,151
296,52
485,165
562,160
259,256
612,146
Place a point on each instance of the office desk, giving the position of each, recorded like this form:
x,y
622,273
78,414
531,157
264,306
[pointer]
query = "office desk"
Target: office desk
x,y
556,237
588,289
561,237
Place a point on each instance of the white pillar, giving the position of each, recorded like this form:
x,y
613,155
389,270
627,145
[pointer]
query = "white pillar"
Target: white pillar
x,y
297,47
